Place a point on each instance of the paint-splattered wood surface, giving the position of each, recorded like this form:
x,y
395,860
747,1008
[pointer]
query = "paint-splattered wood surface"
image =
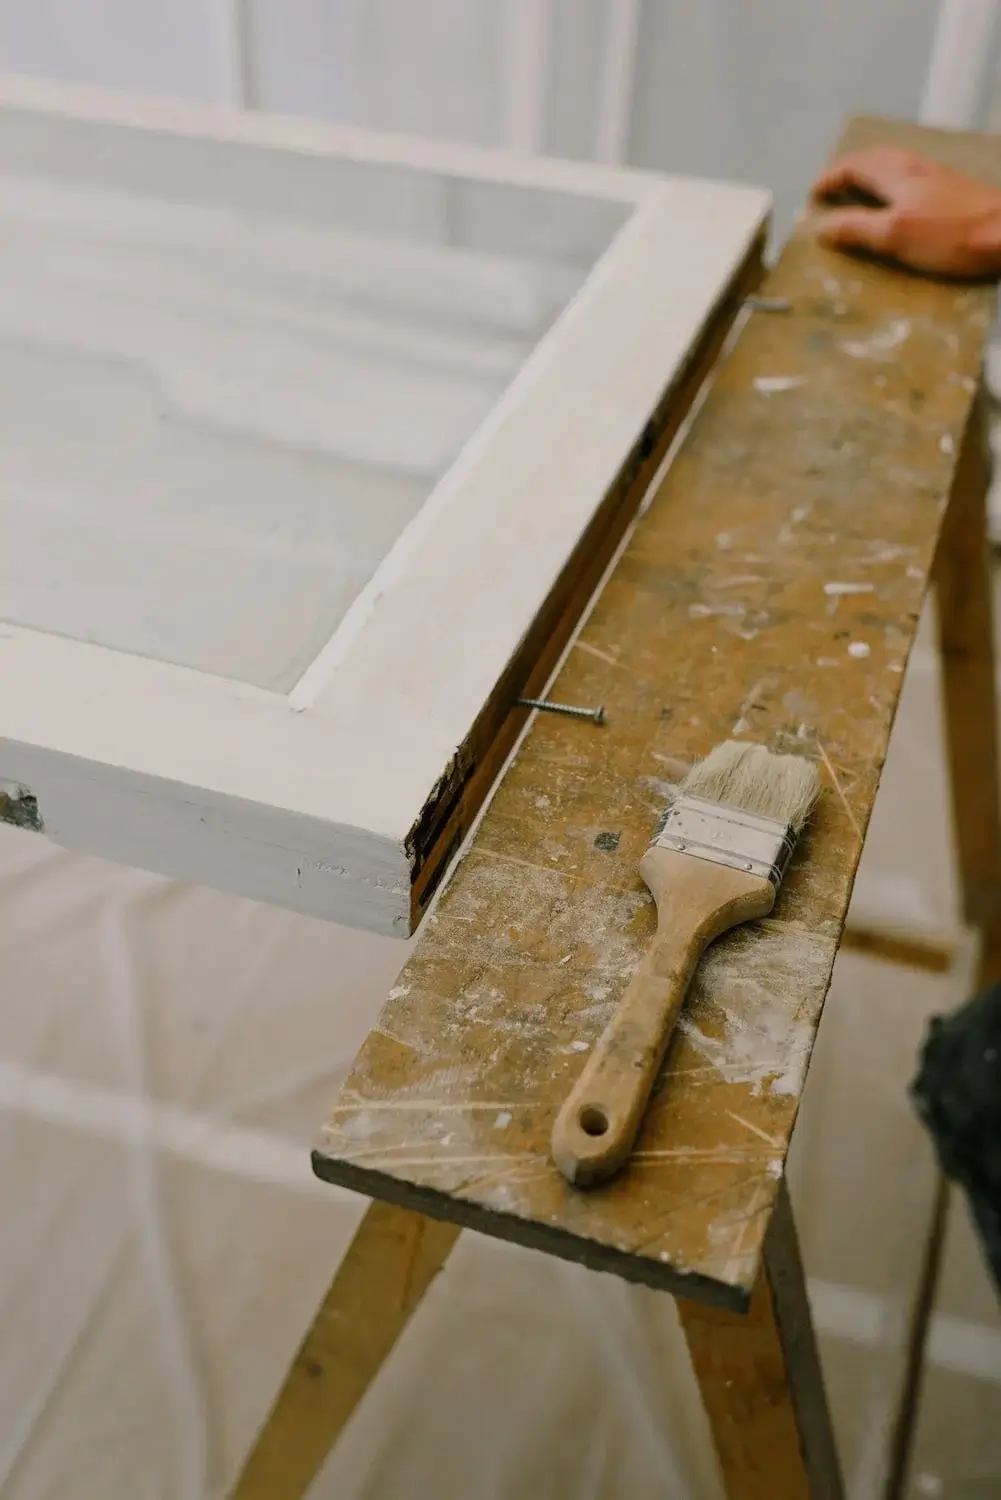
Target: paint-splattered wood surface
x,y
771,591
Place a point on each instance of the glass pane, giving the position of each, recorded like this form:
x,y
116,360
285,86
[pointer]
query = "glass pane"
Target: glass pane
x,y
229,377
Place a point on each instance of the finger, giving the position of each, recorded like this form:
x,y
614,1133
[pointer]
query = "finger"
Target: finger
x,y
881,170
857,229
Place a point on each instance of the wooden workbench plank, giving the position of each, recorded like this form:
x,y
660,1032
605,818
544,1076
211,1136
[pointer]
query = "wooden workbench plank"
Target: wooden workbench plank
x,y
771,591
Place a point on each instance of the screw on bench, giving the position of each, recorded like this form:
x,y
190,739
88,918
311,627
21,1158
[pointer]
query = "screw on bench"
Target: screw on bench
x,y
596,715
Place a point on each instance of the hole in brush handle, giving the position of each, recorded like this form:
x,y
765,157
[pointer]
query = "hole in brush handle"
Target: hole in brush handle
x,y
592,1119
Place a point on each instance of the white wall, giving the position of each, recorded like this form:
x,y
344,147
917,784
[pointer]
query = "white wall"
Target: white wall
x,y
760,91
752,90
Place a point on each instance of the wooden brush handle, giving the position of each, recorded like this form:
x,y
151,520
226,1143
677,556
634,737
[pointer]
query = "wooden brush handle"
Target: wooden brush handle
x,y
696,901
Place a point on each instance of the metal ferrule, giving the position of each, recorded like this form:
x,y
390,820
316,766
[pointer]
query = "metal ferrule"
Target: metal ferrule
x,y
728,836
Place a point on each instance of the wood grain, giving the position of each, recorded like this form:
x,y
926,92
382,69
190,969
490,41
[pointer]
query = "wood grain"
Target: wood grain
x,y
771,591
389,1266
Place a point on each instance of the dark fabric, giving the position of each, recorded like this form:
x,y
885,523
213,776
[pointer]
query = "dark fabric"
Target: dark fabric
x,y
958,1095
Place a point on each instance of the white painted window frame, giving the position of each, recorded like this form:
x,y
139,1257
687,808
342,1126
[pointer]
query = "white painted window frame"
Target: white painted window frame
x,y
307,800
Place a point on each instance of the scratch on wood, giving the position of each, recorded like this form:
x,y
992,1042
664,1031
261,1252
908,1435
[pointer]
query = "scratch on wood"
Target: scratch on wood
x,y
840,791
762,1134
604,656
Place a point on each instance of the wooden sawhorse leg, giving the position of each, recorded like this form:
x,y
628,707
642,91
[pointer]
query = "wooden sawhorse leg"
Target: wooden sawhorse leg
x,y
389,1265
759,1374
761,1384
963,586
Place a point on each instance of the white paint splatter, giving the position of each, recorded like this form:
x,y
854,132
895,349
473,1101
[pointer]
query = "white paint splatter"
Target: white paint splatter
x,y
947,444
502,1120
706,611
844,590
882,343
859,649
767,385
580,1046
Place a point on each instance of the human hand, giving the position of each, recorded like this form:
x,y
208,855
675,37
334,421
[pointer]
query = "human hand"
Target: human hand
x,y
920,213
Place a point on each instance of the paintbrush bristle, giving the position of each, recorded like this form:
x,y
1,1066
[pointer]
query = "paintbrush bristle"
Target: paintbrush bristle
x,y
756,780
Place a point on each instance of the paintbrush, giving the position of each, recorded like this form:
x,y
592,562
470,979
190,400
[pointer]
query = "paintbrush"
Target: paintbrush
x,y
716,860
